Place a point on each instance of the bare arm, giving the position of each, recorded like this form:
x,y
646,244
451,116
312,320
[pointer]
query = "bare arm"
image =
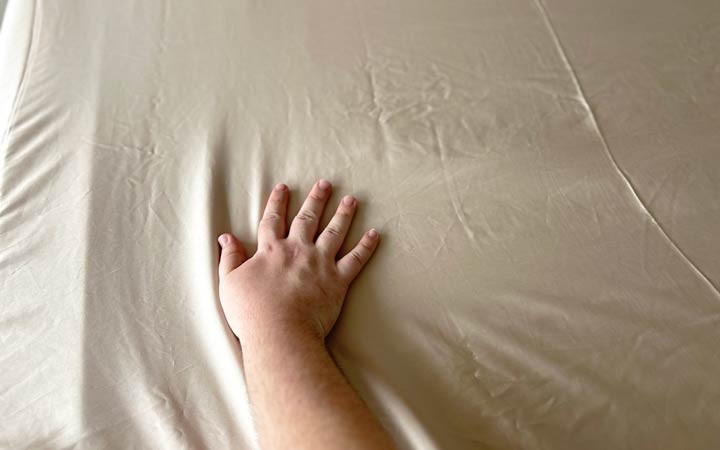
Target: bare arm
x,y
281,304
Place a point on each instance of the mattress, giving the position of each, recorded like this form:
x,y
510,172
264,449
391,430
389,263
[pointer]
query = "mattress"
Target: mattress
x,y
545,175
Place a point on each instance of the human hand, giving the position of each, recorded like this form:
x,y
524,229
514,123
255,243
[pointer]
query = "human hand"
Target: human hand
x,y
293,283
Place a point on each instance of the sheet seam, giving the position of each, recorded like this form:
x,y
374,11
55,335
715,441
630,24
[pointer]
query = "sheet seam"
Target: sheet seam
x,y
576,81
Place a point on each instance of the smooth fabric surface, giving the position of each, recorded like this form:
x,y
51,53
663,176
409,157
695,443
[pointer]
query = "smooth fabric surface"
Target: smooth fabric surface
x,y
545,175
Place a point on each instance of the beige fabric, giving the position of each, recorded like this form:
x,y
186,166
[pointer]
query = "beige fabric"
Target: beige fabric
x,y
545,175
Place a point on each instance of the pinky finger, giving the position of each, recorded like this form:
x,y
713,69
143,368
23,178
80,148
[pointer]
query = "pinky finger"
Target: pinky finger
x,y
351,264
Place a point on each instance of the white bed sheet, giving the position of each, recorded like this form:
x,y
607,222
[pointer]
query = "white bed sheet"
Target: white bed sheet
x,y
545,175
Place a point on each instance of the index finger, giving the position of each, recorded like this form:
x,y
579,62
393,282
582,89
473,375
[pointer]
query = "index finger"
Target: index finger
x,y
273,222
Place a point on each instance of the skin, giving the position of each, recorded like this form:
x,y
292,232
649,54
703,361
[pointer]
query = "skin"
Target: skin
x,y
281,304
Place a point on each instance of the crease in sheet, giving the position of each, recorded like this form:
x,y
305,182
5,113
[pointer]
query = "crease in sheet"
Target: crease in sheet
x,y
546,19
377,113
452,192
25,74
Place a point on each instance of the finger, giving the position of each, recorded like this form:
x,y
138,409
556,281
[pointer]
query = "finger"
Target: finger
x,y
273,222
333,236
351,264
305,224
232,254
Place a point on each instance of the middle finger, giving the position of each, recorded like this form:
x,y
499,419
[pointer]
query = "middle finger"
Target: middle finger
x,y
305,224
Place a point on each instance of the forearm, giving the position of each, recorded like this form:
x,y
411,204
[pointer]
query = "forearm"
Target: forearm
x,y
301,400
281,303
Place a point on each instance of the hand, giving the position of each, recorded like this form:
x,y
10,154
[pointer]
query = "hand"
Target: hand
x,y
293,284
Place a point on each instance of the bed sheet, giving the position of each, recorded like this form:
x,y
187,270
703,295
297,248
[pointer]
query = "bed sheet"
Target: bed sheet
x,y
545,175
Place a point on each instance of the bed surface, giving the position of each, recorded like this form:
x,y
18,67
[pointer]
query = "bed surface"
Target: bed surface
x,y
545,175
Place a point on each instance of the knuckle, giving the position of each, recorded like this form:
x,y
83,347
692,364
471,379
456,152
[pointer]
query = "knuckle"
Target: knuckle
x,y
333,230
230,252
271,216
306,216
299,256
357,257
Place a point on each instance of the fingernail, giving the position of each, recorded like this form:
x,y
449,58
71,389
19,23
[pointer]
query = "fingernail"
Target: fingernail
x,y
348,200
280,187
324,185
223,240
372,233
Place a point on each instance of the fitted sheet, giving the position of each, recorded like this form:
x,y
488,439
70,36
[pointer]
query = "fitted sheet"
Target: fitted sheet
x,y
545,175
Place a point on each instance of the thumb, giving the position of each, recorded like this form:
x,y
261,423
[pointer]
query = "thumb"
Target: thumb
x,y
232,254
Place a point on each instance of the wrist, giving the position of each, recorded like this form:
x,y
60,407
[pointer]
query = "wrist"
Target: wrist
x,y
281,338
